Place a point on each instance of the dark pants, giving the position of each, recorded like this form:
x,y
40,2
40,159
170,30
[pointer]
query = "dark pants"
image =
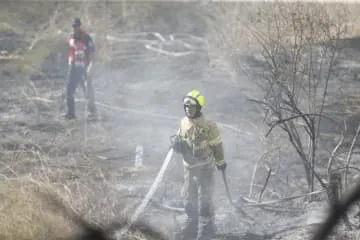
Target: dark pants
x,y
77,76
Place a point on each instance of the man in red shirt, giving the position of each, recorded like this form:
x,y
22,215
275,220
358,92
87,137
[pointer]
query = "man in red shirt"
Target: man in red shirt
x,y
81,50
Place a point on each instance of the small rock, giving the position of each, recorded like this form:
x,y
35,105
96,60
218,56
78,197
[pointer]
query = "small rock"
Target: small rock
x,y
35,77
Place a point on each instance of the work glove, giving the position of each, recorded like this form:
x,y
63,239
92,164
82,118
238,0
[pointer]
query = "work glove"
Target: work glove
x,y
176,143
221,167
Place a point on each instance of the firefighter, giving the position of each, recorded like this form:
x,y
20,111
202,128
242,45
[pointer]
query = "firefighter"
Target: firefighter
x,y
81,50
200,143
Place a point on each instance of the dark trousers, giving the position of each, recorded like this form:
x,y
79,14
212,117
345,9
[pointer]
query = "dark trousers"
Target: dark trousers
x,y
77,76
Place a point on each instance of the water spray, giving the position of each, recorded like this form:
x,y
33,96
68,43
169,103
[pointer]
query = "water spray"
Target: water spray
x,y
149,194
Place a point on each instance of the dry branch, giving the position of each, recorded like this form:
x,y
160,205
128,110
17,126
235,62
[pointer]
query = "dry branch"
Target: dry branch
x,y
348,159
265,184
299,52
253,175
253,203
332,155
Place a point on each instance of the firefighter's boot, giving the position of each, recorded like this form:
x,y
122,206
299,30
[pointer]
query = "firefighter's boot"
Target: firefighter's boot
x,y
206,230
190,229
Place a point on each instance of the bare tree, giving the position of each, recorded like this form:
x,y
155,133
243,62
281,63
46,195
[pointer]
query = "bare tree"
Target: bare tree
x,y
299,46
300,49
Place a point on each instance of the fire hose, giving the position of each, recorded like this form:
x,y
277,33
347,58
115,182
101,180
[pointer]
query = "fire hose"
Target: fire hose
x,y
148,195
230,198
158,179
155,185
184,149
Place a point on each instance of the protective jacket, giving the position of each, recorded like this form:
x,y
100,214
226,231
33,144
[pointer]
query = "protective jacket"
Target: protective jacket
x,y
203,142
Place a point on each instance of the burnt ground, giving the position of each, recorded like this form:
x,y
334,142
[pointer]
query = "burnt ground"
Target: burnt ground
x,y
139,102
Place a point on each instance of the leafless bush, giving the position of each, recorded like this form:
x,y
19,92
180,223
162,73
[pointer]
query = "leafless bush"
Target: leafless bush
x,y
298,43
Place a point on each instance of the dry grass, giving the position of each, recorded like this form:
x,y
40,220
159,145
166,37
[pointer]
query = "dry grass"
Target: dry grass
x,y
44,27
33,207
34,176
25,215
232,26
229,25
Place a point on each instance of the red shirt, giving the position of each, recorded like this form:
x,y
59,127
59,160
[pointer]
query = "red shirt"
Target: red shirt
x,y
79,49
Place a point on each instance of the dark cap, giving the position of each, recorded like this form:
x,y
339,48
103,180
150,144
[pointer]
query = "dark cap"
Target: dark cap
x,y
76,22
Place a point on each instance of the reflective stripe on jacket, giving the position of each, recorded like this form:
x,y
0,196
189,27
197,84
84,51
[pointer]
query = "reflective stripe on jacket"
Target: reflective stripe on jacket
x,y
203,137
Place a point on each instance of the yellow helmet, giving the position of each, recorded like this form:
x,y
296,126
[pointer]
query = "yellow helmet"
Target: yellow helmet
x,y
192,96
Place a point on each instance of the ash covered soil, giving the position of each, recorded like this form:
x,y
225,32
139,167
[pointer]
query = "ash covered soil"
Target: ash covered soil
x,y
139,100
139,103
